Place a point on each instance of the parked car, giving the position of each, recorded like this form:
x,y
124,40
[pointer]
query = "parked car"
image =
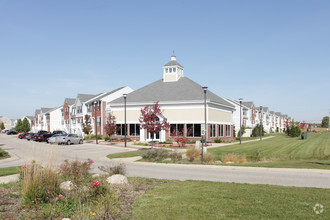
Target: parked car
x,y
10,132
42,137
59,132
30,136
70,139
22,135
42,132
55,138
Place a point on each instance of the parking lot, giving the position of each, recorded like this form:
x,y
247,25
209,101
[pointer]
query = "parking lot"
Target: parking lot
x,y
23,151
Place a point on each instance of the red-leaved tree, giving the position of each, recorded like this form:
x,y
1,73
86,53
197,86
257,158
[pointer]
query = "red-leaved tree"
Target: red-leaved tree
x,y
302,125
87,125
179,138
110,125
150,121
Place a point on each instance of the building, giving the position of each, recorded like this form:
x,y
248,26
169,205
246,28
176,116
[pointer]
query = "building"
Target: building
x,y
182,102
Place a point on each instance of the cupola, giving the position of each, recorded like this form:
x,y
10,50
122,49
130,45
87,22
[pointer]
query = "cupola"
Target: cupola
x,y
172,71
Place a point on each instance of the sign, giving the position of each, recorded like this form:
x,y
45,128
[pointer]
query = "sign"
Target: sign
x,y
203,129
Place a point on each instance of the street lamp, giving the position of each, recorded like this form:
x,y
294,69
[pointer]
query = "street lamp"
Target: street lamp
x,y
125,96
240,121
261,118
95,122
205,125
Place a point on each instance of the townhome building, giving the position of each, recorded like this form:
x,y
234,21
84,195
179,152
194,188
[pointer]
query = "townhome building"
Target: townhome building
x,y
182,102
41,120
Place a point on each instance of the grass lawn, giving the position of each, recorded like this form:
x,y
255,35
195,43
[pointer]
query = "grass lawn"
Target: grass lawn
x,y
209,200
9,171
3,154
283,151
127,154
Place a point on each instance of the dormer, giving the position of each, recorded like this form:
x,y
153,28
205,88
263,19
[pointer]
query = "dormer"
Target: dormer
x,y
172,71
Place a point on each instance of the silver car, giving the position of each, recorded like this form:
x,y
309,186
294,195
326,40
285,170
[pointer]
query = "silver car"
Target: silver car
x,y
70,139
55,138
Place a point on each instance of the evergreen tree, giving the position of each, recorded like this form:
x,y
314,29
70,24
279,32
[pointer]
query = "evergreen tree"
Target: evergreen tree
x,y
2,126
26,126
19,125
325,122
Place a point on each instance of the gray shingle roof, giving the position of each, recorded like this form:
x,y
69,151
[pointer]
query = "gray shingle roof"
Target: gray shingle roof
x,y
104,95
248,104
30,117
85,97
173,63
278,114
183,90
38,111
70,101
44,110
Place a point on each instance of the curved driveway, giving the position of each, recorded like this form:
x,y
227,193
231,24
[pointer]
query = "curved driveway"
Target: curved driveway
x,y
23,151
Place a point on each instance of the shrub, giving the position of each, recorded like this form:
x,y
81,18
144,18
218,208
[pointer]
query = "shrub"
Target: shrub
x,y
294,131
256,156
39,185
233,158
114,169
175,156
3,153
75,171
256,130
217,140
277,129
107,138
155,154
242,130
208,157
192,154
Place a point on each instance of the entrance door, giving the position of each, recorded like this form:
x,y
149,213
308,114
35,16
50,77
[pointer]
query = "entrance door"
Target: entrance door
x,y
154,136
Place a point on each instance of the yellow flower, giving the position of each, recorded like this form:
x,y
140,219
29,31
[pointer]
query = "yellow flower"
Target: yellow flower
x,y
92,213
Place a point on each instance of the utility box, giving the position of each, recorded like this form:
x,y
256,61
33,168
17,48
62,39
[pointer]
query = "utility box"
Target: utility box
x,y
198,145
304,135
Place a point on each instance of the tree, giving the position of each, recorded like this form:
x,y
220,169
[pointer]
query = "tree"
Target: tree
x,y
2,125
325,122
19,125
150,120
241,130
179,138
302,125
87,125
110,126
256,130
25,126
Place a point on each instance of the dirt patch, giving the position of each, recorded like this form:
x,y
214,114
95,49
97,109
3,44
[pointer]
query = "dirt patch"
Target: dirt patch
x,y
9,203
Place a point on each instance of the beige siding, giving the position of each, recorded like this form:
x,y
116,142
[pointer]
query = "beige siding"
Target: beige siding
x,y
173,115
170,77
131,115
220,116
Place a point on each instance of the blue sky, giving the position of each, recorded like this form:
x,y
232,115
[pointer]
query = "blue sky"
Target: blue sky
x,y
275,53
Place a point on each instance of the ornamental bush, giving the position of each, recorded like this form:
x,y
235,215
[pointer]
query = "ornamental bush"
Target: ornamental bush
x,y
155,154
256,130
217,140
193,154
294,131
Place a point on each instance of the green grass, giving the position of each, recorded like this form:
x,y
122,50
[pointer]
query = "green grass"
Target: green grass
x,y
3,154
209,200
9,171
283,151
126,154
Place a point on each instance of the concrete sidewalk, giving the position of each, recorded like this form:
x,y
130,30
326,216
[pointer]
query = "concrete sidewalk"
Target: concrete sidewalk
x,y
10,178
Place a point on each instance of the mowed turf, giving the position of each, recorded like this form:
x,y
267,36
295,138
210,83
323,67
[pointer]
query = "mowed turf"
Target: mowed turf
x,y
209,200
284,151
9,171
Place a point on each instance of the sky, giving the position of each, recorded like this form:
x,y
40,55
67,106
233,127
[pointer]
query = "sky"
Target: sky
x,y
274,53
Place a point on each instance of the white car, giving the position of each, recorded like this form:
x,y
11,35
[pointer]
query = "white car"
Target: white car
x,y
55,138
70,139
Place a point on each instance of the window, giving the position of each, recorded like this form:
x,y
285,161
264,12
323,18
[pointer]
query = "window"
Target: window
x,y
79,109
170,70
166,70
174,70
213,127
220,130
176,129
120,129
88,108
228,130
98,105
193,130
134,130
98,120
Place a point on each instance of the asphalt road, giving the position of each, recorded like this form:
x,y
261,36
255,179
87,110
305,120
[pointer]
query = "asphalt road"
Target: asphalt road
x,y
23,151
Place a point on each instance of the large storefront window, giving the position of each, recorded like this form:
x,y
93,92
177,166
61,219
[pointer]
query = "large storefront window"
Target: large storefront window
x,y
228,130
120,129
134,129
193,130
220,130
176,129
213,127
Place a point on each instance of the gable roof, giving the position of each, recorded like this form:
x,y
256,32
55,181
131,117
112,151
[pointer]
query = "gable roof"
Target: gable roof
x,y
70,101
173,63
248,104
105,94
44,110
182,90
85,97
31,118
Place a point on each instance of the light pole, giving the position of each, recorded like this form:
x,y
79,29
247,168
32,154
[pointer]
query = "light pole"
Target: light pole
x,y
95,122
125,96
205,125
261,118
240,121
